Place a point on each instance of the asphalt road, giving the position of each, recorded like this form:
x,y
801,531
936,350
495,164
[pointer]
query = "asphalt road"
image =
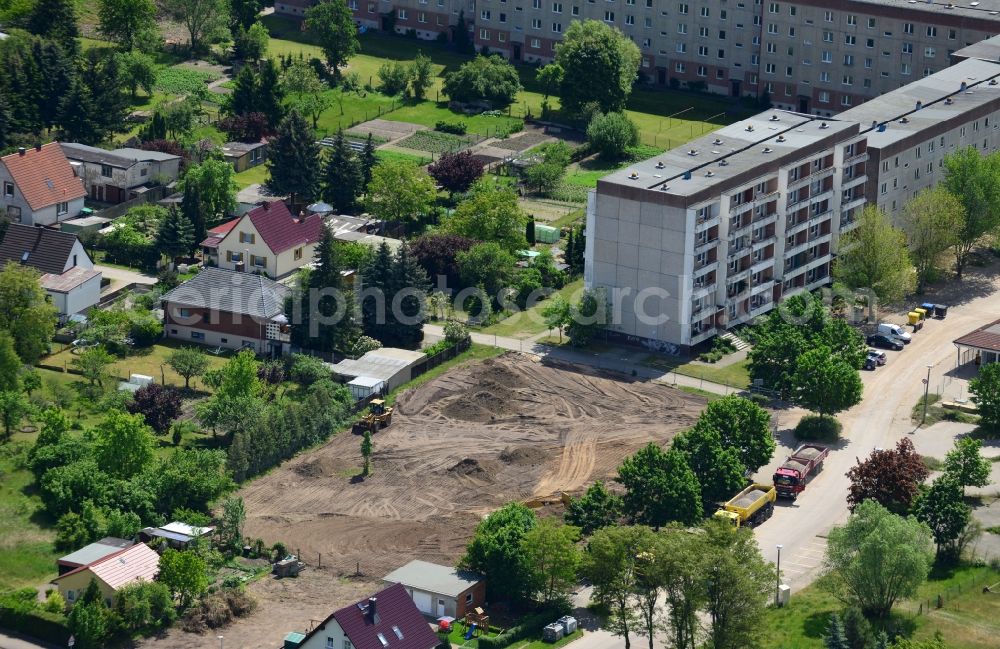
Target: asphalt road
x,y
879,421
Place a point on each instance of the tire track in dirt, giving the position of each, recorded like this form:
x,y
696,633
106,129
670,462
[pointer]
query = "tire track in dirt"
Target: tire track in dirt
x,y
577,462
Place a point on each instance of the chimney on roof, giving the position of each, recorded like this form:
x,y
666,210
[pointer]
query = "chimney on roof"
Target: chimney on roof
x,y
38,146
20,151
266,205
372,601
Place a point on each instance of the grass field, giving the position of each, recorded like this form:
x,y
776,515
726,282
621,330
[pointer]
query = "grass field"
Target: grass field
x,y
253,175
736,375
526,324
27,557
970,619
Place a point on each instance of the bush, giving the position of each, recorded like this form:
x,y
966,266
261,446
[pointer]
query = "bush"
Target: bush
x,y
18,614
306,370
218,609
611,135
485,78
456,128
438,347
760,399
814,428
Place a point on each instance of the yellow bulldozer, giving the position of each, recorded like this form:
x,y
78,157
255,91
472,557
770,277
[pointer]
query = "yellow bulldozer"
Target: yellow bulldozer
x,y
378,416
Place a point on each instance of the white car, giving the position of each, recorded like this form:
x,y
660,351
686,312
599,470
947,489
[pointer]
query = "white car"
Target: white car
x,y
890,329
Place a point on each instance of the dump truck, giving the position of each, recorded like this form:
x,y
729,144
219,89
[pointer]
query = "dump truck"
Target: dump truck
x,y
750,507
790,478
378,416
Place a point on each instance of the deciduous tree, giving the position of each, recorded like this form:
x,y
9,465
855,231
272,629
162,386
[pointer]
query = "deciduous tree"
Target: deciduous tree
x,y
874,257
488,265
590,314
485,78
599,64
366,453
890,477
213,191
309,93
744,426
10,364
189,362
13,407
717,467
159,406
877,558
612,134
824,383
234,515
204,20
933,221
660,487
456,172
25,312
421,75
123,444
496,552
975,180
595,509
129,23
333,25
93,364
491,214
399,191
966,464
985,391
184,573
553,556
943,510
558,314
610,564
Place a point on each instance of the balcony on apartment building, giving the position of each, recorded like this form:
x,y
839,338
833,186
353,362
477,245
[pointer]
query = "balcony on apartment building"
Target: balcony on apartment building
x,y
706,281
704,222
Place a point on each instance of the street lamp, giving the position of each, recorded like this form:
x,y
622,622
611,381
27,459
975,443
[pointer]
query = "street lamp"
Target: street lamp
x,y
777,576
927,387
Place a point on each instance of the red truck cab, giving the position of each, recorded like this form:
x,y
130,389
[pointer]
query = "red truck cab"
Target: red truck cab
x,y
791,477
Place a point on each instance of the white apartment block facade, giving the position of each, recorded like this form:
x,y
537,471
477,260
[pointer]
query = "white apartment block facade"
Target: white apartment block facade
x,y
808,56
715,233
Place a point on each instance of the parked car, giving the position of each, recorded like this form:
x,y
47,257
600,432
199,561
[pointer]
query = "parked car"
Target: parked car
x,y
879,357
870,364
884,341
890,329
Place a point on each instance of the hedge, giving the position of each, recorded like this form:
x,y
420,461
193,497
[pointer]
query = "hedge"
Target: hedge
x,y
530,627
25,618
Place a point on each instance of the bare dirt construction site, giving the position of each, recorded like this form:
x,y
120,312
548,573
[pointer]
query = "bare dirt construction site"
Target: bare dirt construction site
x,y
460,446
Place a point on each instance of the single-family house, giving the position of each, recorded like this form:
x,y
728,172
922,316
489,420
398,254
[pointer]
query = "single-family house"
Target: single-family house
x,y
268,239
120,175
386,620
111,572
176,534
38,186
88,554
252,196
231,309
244,155
440,590
68,273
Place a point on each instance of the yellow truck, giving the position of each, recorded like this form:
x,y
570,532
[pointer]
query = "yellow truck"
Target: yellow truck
x,y
750,507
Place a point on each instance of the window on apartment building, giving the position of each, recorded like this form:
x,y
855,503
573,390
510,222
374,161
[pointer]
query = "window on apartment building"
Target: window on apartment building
x,y
704,12
401,14
907,48
826,57
682,8
845,100
720,73
197,335
772,48
791,10
722,54
790,51
848,59
681,48
769,68
791,32
827,37
629,20
536,4
773,8
788,71
682,28
557,7
824,77
868,63
258,262
422,18
646,44
951,34
485,14
904,68
828,16
772,28
557,28
907,28
484,34
824,97
929,53
703,32
870,43
754,59
852,19
702,50
679,67
882,188
931,31
536,23
702,71
535,44
871,23
647,22
576,11
850,39
753,79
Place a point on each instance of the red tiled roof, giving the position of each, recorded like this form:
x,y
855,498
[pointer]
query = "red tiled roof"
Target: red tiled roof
x,y
44,176
211,242
280,230
985,337
394,610
123,567
224,228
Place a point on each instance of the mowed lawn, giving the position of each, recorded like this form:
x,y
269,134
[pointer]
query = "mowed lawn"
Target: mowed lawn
x,y
531,322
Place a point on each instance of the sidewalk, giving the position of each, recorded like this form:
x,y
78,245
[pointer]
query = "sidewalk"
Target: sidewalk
x,y
615,359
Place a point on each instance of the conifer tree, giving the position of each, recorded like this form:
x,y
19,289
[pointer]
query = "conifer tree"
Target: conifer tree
x,y
243,98
294,160
570,248
366,451
834,638
192,210
408,276
270,93
325,334
341,177
76,112
156,129
55,20
176,234
375,309
368,161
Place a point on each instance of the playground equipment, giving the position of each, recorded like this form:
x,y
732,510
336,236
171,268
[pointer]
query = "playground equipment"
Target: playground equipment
x,y
476,622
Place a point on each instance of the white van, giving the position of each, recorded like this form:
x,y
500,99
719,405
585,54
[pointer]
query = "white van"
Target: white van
x,y
890,329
